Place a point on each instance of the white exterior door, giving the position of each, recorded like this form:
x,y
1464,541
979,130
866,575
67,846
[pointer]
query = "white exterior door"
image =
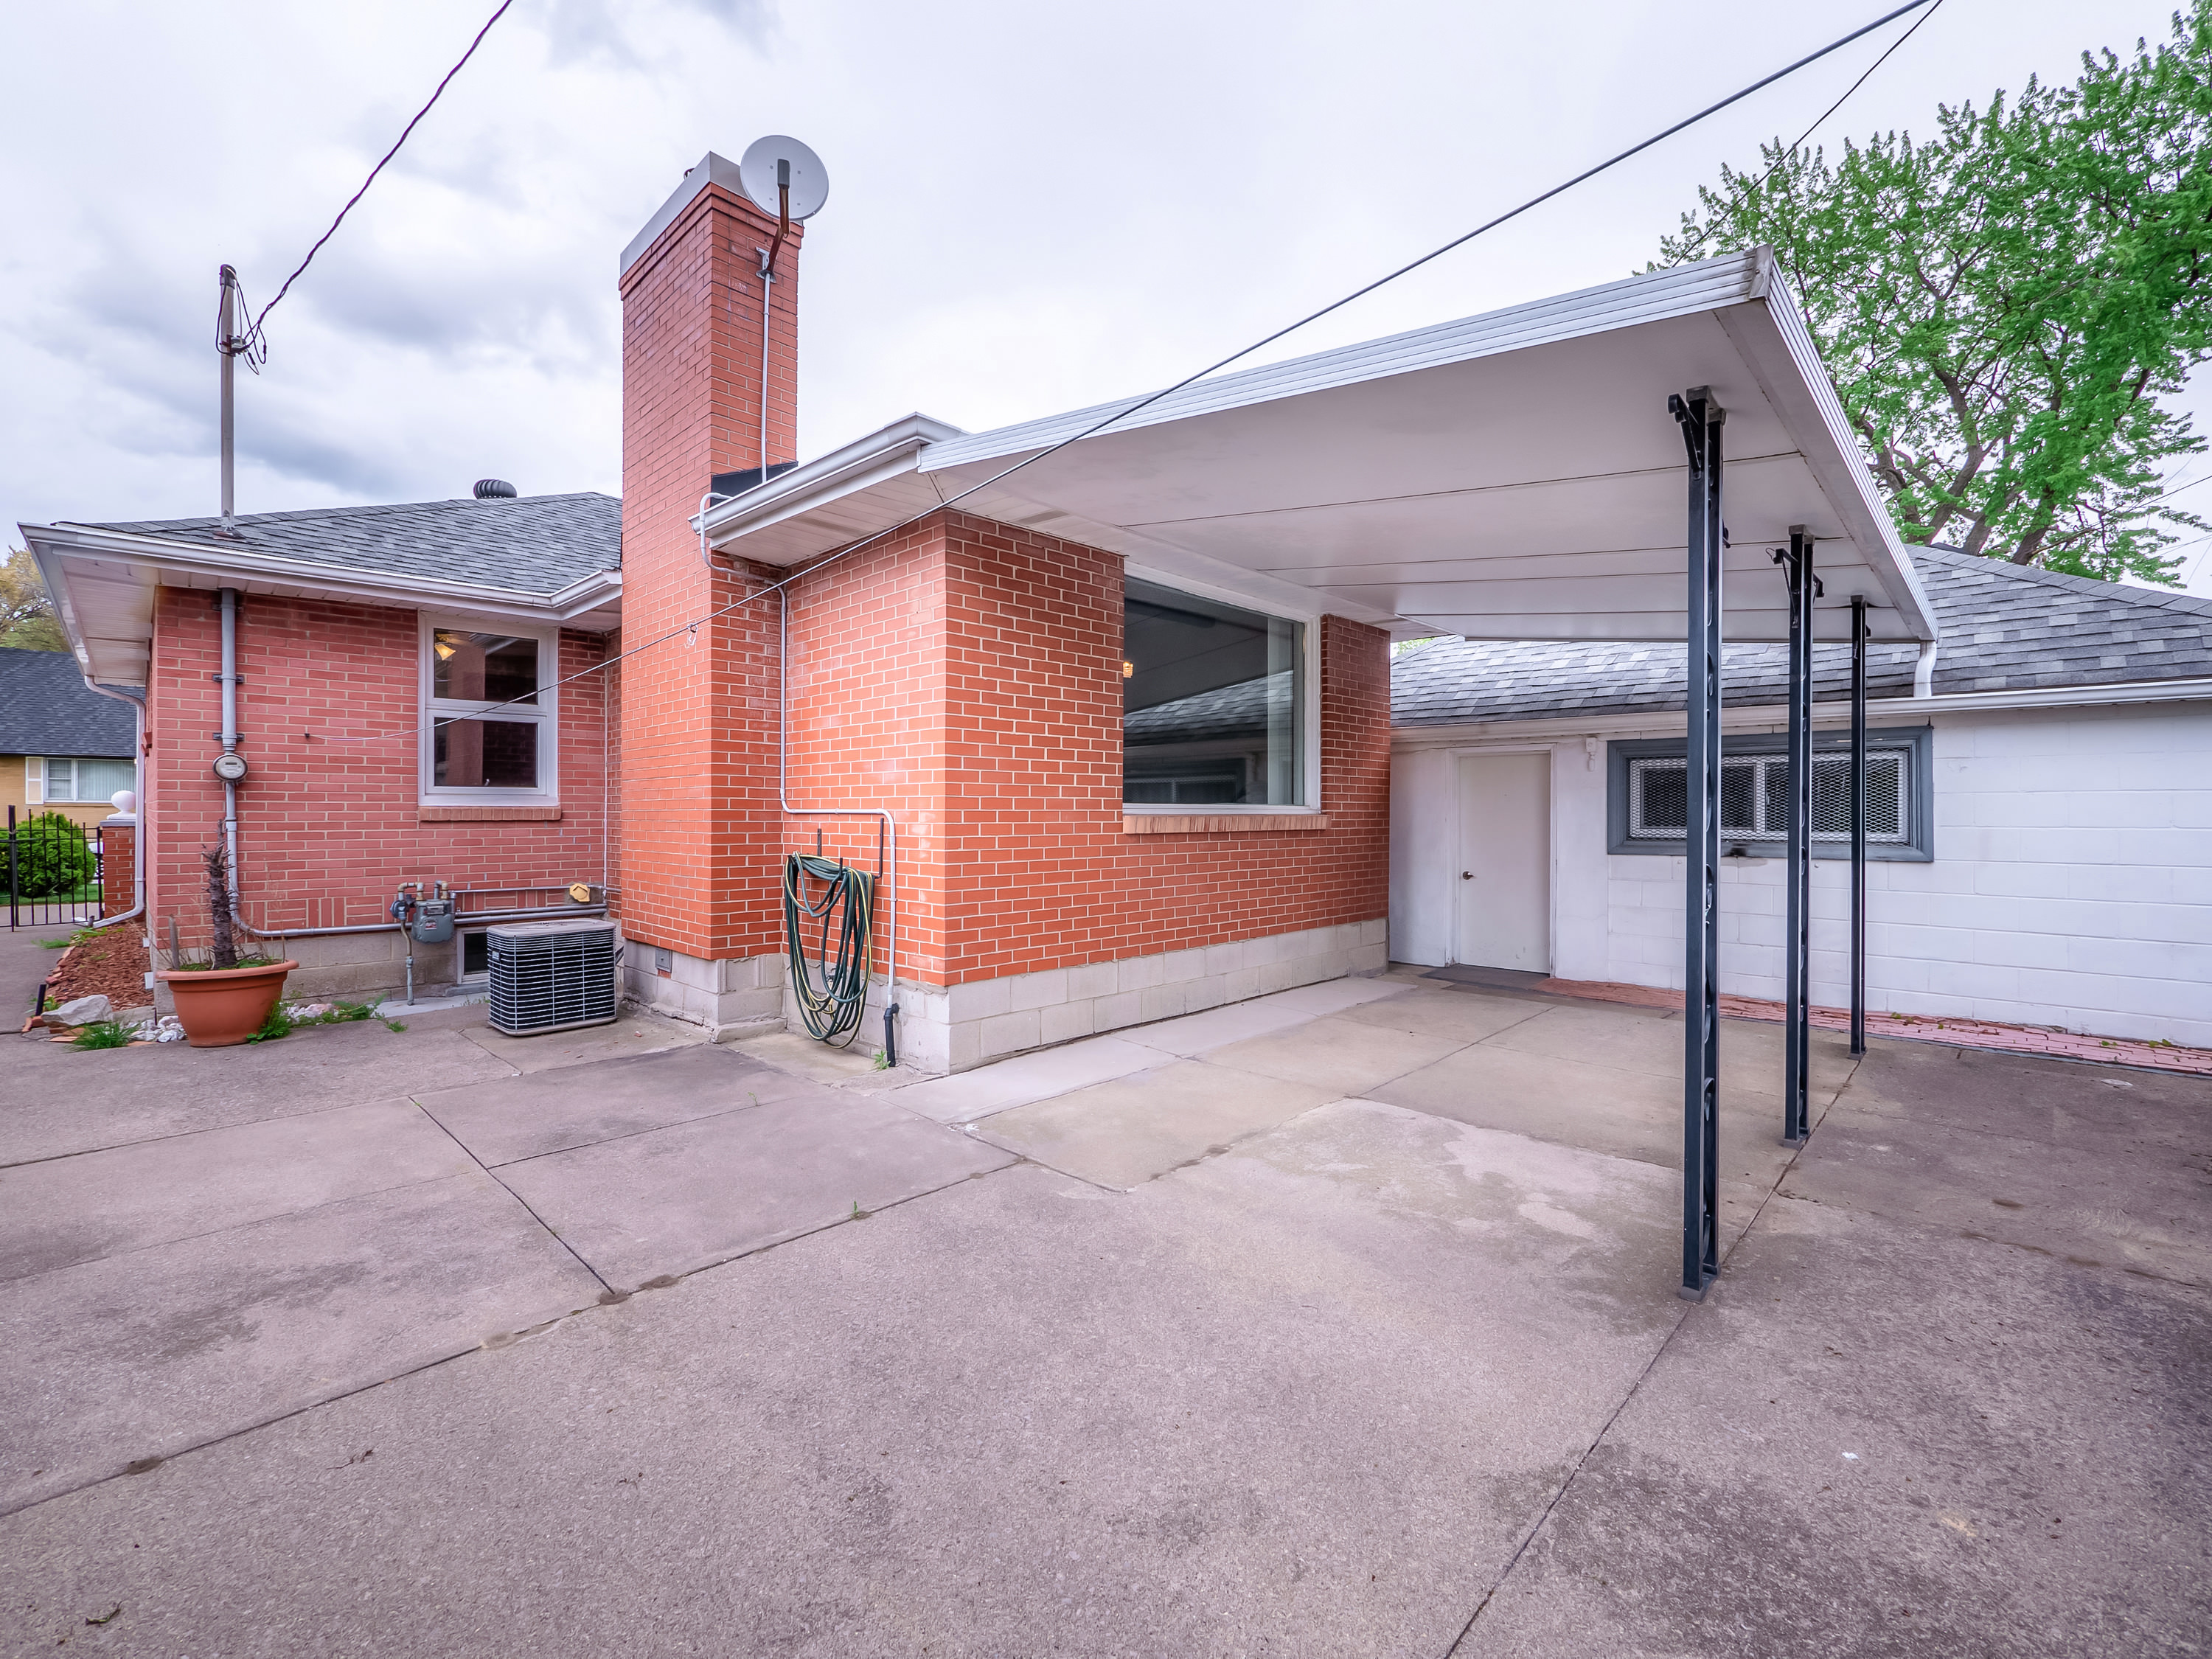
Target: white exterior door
x,y
1504,916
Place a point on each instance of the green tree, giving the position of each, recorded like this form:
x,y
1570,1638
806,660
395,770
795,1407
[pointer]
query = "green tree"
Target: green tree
x,y
27,615
2003,305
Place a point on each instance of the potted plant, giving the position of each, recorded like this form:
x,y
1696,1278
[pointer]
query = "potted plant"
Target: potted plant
x,y
228,999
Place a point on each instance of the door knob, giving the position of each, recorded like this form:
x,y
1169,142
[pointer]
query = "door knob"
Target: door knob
x,y
1467,875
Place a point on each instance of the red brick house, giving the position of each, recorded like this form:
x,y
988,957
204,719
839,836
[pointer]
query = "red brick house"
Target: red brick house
x,y
1121,721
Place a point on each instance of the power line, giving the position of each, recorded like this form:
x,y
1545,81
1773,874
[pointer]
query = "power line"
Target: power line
x,y
1706,229
1267,340
253,345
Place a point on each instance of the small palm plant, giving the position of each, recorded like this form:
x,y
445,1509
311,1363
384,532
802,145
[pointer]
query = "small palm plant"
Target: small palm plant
x,y
215,861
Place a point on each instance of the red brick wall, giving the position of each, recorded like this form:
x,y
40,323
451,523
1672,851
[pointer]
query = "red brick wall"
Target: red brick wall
x,y
868,728
698,716
328,828
969,677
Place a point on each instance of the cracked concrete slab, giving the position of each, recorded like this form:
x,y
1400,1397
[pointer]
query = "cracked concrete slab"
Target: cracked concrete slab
x,y
2073,1161
1340,1055
1628,1114
63,1211
674,1199
1882,1438
144,1354
966,1096
1126,1132
1751,1050
62,1100
551,1111
634,1033
1194,1033
1469,1016
1248,1409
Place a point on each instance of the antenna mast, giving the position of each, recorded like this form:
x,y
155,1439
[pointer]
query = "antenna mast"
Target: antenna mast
x,y
229,346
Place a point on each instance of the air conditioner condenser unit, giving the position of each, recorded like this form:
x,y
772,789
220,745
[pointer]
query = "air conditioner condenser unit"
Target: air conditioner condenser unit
x,y
552,975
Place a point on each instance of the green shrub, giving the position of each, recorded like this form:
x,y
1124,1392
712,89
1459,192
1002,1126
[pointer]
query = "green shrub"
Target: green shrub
x,y
102,1034
52,856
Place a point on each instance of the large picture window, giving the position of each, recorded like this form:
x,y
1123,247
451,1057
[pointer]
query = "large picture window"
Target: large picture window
x,y
488,714
1213,702
1649,795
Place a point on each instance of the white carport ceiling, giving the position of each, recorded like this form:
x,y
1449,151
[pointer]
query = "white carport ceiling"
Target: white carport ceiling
x,y
1512,475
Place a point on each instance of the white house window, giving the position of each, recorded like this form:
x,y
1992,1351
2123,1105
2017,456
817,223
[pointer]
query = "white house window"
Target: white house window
x,y
1649,795
488,714
79,779
1213,702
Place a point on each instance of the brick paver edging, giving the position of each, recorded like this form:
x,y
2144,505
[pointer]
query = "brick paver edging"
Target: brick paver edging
x,y
1964,1033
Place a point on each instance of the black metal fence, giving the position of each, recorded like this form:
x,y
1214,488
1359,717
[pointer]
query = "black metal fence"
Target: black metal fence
x,y
53,871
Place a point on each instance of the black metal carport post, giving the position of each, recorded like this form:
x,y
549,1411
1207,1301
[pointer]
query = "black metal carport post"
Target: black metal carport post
x,y
1700,418
1858,821
1796,1064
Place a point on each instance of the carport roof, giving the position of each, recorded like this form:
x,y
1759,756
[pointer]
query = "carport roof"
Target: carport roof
x,y
1510,475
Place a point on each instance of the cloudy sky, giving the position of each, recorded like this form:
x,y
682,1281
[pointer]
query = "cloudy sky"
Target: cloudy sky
x,y
1032,206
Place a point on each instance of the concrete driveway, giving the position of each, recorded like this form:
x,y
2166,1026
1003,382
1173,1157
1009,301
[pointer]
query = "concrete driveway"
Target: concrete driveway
x,y
1337,1323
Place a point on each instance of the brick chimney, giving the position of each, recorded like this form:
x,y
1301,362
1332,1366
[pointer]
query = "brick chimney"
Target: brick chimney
x,y
700,820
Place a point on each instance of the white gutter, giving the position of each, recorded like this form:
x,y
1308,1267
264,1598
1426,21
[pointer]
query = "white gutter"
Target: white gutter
x,y
1567,724
882,454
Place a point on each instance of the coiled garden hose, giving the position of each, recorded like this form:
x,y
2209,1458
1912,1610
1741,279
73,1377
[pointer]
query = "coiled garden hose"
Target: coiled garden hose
x,y
832,990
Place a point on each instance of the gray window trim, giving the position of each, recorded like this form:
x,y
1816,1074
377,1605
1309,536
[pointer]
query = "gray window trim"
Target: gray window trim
x,y
1920,849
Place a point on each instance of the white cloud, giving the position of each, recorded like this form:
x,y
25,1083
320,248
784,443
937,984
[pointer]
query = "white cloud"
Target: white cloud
x,y
1032,206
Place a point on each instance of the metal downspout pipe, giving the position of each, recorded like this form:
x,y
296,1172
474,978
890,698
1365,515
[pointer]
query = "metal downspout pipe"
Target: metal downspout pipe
x,y
891,825
229,737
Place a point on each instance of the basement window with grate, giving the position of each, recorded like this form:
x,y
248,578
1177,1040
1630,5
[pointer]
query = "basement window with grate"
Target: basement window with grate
x,y
1648,795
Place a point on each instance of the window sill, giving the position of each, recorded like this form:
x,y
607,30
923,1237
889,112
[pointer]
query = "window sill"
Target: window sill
x,y
1217,824
429,813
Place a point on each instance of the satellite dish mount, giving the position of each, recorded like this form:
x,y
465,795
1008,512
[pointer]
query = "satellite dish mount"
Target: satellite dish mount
x,y
783,177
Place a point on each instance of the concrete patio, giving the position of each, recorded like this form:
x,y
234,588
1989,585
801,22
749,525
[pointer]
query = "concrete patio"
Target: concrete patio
x,y
1341,1322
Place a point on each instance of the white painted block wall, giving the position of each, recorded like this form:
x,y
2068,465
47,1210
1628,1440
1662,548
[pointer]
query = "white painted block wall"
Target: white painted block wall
x,y
2071,886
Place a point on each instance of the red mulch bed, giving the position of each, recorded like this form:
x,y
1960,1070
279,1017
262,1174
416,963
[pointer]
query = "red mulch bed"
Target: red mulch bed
x,y
111,964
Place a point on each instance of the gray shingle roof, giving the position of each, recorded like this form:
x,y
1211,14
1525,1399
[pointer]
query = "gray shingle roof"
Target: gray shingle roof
x,y
45,710
2005,629
533,544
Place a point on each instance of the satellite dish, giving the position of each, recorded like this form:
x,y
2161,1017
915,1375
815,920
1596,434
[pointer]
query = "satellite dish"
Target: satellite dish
x,y
764,168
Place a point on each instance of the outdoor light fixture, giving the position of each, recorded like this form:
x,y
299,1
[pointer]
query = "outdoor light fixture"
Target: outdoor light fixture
x,y
1128,668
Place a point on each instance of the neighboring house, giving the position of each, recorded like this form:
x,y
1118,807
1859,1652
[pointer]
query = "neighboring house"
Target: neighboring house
x,y
1117,724
63,748
2040,806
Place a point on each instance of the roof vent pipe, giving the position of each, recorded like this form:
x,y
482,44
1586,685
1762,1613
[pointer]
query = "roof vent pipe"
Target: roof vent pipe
x,y
495,489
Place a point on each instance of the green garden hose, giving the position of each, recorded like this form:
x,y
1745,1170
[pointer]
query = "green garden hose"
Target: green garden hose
x,y
832,991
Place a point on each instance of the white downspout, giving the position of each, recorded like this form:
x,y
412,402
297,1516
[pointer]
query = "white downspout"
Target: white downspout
x,y
1923,671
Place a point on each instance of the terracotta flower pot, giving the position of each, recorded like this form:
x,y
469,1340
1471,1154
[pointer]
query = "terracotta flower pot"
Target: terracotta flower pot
x,y
226,1006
